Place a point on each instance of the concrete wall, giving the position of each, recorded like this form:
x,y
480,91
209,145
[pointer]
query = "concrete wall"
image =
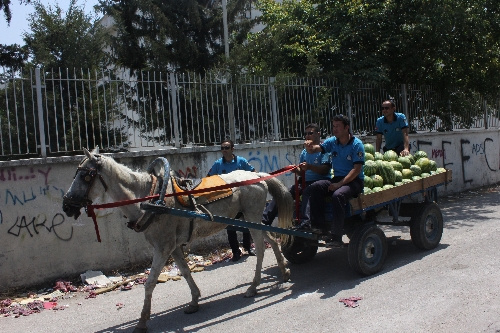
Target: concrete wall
x,y
39,243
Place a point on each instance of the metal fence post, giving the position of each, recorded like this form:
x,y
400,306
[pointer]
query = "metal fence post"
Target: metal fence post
x,y
405,100
485,106
175,116
274,108
230,108
349,110
41,122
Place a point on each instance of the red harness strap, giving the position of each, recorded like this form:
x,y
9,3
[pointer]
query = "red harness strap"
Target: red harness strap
x,y
91,213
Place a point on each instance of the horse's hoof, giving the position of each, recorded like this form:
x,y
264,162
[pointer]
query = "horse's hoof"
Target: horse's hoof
x,y
191,309
251,292
286,276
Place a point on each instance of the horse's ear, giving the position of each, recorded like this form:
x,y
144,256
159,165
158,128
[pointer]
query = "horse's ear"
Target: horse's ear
x,y
87,153
96,150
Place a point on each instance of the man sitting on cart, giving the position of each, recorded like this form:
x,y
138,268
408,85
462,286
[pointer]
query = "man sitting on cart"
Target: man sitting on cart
x,y
316,166
348,155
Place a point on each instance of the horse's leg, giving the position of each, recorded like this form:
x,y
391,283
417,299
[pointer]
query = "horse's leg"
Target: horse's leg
x,y
285,272
178,256
258,240
159,260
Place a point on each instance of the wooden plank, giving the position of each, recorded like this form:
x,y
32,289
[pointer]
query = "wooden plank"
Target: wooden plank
x,y
363,201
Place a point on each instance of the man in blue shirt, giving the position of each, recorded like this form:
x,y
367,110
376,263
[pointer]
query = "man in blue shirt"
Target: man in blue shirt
x,y
226,164
315,165
348,155
394,127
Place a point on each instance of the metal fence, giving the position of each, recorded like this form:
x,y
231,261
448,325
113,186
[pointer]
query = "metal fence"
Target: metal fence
x,y
55,112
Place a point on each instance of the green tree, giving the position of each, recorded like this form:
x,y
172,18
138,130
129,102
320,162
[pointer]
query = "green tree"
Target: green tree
x,y
454,46
181,35
66,39
69,47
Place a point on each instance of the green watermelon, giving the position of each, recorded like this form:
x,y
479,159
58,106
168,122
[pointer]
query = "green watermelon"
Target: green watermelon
x,y
412,159
396,165
378,181
367,190
370,168
433,165
399,176
416,170
369,148
387,173
416,178
398,183
406,181
377,189
424,164
419,154
405,161
378,156
439,170
368,182
390,156
425,174
388,186
407,173
369,157
379,164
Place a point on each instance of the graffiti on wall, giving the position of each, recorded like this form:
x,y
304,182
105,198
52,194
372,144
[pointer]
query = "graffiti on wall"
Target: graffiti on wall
x,y
11,174
262,162
35,225
482,149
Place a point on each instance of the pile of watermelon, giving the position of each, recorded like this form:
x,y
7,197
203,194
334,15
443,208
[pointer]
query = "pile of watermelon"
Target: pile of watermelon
x,y
384,171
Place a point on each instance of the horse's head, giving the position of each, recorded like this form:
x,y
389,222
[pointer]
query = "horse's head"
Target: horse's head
x,y
79,194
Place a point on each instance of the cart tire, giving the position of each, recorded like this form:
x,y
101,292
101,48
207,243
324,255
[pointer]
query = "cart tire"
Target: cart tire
x,y
298,250
426,226
367,250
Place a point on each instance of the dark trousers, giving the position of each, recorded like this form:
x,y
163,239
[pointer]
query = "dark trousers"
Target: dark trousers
x,y
271,210
232,237
398,149
313,202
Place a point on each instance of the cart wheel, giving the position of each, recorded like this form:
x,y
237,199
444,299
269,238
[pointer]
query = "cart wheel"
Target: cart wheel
x,y
426,226
367,250
298,250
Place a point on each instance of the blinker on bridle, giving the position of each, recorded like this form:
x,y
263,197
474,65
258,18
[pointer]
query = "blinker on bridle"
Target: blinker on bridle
x,y
89,176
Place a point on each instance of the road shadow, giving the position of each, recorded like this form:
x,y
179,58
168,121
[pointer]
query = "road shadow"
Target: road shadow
x,y
327,274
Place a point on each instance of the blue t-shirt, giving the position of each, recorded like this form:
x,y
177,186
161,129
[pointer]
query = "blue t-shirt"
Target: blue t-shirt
x,y
392,132
315,159
221,166
344,157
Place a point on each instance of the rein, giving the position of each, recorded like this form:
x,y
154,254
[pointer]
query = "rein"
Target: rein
x,y
91,213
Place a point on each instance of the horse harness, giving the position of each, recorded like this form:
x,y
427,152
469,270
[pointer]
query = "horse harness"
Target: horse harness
x,y
88,176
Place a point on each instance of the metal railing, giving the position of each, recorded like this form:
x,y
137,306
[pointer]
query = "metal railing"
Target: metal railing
x,y
55,112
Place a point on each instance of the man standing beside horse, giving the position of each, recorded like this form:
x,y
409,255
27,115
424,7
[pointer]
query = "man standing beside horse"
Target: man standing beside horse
x,y
226,164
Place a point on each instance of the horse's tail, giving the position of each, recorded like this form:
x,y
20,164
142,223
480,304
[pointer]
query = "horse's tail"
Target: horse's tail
x,y
284,201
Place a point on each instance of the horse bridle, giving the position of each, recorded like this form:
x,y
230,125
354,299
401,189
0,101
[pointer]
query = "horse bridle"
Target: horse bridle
x,y
89,176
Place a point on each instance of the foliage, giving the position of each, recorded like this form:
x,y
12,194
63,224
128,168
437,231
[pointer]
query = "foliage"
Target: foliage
x,y
5,7
175,35
59,42
65,39
452,45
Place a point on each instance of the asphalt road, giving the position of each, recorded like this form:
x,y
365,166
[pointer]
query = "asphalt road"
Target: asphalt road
x,y
453,288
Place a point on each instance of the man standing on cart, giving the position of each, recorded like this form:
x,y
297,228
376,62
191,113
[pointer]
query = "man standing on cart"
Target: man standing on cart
x,y
316,166
348,156
394,127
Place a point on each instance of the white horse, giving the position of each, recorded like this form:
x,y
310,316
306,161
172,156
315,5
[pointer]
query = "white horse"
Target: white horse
x,y
167,233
